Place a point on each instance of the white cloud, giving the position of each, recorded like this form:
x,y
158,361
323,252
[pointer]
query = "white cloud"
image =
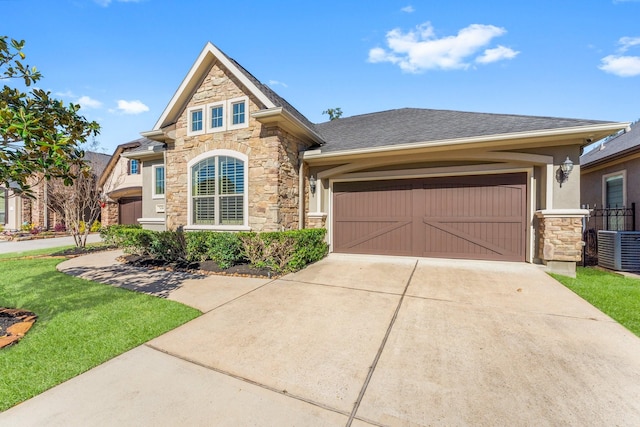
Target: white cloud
x,y
628,42
66,94
496,54
408,9
277,83
419,50
623,66
88,102
131,107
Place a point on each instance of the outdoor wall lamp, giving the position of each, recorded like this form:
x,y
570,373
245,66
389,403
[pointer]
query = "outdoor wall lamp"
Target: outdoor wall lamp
x,y
312,185
565,170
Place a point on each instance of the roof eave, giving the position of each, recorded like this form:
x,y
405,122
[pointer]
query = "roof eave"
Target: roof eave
x,y
585,133
278,116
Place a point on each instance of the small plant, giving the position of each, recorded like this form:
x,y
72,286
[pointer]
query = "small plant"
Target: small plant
x,y
26,226
95,227
59,228
35,230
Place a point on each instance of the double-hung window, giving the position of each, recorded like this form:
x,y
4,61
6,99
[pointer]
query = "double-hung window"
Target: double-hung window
x,y
614,197
218,190
134,167
158,181
196,119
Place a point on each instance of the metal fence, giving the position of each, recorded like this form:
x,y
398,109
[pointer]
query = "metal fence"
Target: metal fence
x,y
613,219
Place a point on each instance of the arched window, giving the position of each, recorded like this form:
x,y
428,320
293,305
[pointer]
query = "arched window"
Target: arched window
x,y
218,189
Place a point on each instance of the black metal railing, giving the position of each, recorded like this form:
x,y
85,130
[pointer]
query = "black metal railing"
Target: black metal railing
x,y
610,218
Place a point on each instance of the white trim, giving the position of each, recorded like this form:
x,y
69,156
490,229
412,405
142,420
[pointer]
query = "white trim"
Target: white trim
x,y
211,129
150,220
190,111
154,195
245,202
622,173
208,56
230,102
562,213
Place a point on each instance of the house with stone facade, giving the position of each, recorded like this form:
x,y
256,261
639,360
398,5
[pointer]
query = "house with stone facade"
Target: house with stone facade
x,y
236,156
16,210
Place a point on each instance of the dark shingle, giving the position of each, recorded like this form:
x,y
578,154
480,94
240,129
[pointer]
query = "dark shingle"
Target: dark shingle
x,y
412,125
143,145
624,142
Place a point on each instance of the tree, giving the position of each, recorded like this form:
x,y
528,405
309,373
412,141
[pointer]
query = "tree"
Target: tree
x,y
78,203
334,113
38,134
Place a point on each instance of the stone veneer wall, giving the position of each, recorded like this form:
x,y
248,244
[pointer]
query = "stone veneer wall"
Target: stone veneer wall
x,y
110,214
560,238
272,157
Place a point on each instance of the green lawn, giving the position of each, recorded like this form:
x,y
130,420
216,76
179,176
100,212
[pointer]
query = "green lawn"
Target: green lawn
x,y
81,324
615,295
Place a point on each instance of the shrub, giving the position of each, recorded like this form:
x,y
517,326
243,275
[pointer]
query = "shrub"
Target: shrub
x,y
130,238
167,246
284,251
95,227
281,252
59,227
224,248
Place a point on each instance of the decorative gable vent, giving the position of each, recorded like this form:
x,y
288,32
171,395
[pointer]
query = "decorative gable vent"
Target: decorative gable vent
x,y
619,250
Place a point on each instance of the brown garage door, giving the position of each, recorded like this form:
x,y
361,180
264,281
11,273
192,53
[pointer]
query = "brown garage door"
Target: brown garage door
x,y
472,217
130,210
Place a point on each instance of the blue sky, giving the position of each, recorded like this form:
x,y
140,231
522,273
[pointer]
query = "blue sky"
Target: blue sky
x,y
123,60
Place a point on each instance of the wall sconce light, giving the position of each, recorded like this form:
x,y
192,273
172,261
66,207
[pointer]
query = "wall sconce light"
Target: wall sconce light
x,y
565,170
312,185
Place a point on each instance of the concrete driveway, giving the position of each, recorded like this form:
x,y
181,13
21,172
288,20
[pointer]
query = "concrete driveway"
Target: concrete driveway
x,y
367,341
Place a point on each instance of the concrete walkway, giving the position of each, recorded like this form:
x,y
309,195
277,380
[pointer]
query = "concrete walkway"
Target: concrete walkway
x,y
33,244
361,341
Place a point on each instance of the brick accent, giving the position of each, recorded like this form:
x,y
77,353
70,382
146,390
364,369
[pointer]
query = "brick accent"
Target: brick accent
x,y
560,238
272,160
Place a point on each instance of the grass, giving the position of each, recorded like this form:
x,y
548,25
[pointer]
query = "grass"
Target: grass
x,y
80,325
613,294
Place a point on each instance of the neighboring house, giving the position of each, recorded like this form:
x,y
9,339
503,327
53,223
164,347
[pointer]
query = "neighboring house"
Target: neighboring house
x,y
610,174
35,211
121,183
402,182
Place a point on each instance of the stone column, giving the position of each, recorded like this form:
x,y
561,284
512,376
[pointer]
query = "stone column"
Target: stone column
x,y
560,239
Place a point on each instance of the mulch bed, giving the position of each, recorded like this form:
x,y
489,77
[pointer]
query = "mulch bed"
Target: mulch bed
x,y
14,324
204,267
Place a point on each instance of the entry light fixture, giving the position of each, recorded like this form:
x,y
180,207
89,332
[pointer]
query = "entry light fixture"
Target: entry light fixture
x,y
312,184
565,170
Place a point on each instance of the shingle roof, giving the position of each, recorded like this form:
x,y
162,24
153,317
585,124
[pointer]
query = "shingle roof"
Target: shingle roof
x,y
618,146
141,145
412,125
98,161
269,93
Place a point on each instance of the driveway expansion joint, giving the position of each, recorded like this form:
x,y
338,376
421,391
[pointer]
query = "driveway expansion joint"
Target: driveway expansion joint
x,y
247,380
239,296
372,368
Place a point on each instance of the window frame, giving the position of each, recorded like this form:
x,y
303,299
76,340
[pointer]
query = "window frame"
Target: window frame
x,y
190,111
130,164
230,103
623,175
245,196
210,107
154,186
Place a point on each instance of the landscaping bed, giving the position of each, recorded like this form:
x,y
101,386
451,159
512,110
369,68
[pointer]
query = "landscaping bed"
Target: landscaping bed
x,y
203,267
266,254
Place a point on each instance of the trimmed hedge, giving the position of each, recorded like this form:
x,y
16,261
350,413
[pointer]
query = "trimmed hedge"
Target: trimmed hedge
x,y
282,251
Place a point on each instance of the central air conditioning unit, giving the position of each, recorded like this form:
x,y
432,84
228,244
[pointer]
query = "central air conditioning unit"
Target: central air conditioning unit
x,y
619,250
